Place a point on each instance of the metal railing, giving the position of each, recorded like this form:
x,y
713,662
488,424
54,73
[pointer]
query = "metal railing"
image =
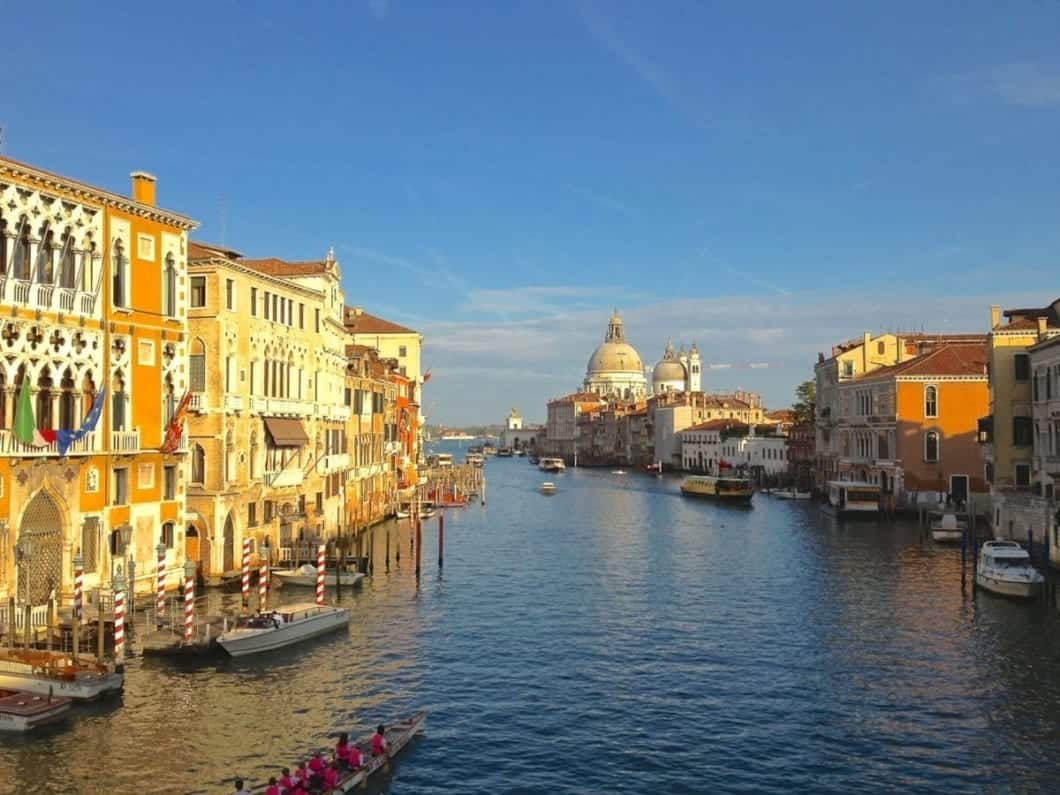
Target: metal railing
x,y
125,441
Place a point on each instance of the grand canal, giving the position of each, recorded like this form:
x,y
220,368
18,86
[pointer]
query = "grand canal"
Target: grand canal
x,y
616,638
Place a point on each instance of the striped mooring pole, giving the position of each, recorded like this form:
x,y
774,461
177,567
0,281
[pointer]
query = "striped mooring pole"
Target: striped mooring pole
x,y
189,600
321,563
160,595
79,584
263,586
246,572
119,619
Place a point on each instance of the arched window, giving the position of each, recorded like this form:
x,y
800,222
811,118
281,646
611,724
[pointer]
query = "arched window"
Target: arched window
x,y
169,287
931,401
881,348
168,535
117,400
169,399
3,245
88,394
230,457
44,400
20,260
119,265
931,447
197,366
255,467
67,261
198,464
46,257
67,402
88,267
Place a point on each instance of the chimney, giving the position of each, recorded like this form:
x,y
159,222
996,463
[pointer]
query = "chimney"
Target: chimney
x,y
995,316
143,187
358,311
1043,325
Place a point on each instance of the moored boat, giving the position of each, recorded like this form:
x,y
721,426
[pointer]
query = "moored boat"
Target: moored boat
x,y
948,528
306,576
56,673
551,465
21,711
504,452
726,489
791,494
291,624
1005,568
547,488
853,498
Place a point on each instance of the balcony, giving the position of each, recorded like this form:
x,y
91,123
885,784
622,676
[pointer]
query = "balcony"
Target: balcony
x,y
259,405
291,476
290,408
9,445
333,463
1051,464
197,402
233,402
46,297
125,441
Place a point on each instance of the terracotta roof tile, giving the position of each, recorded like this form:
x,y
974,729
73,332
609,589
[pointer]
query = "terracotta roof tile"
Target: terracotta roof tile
x,y
949,359
279,267
717,425
200,250
357,321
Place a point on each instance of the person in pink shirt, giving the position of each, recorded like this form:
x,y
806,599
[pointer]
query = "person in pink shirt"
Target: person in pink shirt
x,y
379,744
355,758
273,788
342,748
317,763
331,776
286,780
301,776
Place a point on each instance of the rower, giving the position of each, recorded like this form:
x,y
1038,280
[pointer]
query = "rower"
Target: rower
x,y
356,758
273,788
379,743
331,776
286,780
240,790
342,748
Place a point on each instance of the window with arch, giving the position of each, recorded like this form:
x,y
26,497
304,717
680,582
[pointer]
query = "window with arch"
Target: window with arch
x,y
881,348
198,464
44,399
169,287
3,399
20,260
931,401
931,447
67,261
3,245
230,457
67,401
46,257
197,366
169,399
119,275
255,466
88,281
88,393
117,401
168,534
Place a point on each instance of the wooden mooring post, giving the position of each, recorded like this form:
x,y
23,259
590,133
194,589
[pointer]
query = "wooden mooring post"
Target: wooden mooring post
x,y
441,540
387,558
419,547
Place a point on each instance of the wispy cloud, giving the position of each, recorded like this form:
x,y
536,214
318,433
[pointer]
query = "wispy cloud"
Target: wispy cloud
x,y
543,300
1021,83
602,29
604,200
379,8
742,275
428,276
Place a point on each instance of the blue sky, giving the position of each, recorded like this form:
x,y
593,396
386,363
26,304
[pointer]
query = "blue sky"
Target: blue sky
x,y
766,180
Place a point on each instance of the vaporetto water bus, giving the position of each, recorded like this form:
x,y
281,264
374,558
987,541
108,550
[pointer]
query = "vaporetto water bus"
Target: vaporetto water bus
x,y
726,489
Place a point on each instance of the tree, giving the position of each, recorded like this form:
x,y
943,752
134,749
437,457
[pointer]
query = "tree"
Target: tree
x,y
805,406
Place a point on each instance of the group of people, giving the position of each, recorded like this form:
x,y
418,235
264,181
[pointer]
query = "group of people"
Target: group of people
x,y
317,775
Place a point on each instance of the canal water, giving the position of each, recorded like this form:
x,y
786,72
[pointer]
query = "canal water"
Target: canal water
x,y
615,637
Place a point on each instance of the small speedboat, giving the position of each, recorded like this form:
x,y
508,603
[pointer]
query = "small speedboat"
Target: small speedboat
x,y
618,472
21,711
551,465
948,529
284,627
306,576
1005,568
547,488
790,494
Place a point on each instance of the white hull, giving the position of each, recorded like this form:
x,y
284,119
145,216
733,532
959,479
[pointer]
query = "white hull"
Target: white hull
x,y
1016,589
792,495
947,536
347,578
243,641
11,722
85,687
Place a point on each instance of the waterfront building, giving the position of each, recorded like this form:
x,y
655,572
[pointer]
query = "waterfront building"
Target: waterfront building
x,y
677,372
672,412
562,427
515,435
802,453
1017,447
269,405
93,291
615,370
403,446
911,427
761,451
603,436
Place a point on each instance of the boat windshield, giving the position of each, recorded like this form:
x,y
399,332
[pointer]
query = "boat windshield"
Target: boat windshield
x,y
1010,563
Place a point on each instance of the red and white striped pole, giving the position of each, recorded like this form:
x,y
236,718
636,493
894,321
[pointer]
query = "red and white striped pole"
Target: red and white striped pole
x,y
160,596
263,586
189,601
119,619
79,584
321,562
246,572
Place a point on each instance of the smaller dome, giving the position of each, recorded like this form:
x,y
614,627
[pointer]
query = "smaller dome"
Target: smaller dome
x,y
668,370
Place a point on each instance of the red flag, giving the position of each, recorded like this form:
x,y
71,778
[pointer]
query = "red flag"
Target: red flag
x,y
176,426
723,464
427,375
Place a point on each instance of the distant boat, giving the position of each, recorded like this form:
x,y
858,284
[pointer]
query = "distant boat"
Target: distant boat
x,y
504,452
726,489
457,437
948,528
306,576
547,488
618,472
791,494
551,465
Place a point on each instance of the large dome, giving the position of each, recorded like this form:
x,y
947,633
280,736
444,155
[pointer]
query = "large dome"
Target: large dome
x,y
614,354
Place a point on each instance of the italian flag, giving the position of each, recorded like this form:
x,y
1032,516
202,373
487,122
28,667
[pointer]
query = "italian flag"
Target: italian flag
x,y
26,430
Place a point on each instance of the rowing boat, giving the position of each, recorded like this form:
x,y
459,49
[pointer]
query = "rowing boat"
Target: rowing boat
x,y
398,735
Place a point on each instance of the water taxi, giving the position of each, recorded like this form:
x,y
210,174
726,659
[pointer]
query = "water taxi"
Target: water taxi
x,y
306,576
551,465
547,487
505,452
853,498
729,489
292,624
791,494
475,459
1005,568
21,711
56,673
948,529
440,460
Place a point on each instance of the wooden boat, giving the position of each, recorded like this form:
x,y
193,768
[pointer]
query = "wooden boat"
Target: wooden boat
x,y
21,711
292,624
948,529
56,673
306,577
547,488
398,736
725,489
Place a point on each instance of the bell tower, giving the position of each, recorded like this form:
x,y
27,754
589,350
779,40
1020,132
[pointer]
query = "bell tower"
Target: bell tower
x,y
694,368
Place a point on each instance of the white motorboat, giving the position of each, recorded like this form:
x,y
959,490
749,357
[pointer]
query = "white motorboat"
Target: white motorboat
x,y
551,465
547,488
21,711
55,673
1005,568
618,472
852,498
306,576
791,494
292,624
948,529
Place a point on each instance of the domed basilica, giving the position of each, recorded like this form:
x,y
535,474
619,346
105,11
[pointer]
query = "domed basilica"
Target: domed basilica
x,y
615,369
